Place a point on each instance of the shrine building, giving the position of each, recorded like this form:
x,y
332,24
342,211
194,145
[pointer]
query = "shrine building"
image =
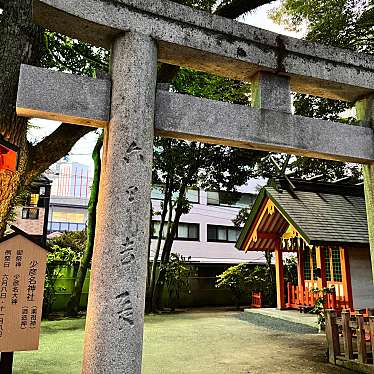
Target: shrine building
x,y
325,226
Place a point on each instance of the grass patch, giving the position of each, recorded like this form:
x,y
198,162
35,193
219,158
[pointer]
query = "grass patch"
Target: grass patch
x,y
209,342
60,350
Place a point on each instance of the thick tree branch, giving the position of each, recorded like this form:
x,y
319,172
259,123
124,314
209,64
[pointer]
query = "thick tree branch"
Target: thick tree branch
x,y
52,148
232,9
236,8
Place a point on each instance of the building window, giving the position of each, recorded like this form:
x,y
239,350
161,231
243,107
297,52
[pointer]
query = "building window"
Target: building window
x,y
30,213
186,231
327,263
192,194
68,217
310,264
307,265
65,226
230,199
332,264
225,234
336,264
157,192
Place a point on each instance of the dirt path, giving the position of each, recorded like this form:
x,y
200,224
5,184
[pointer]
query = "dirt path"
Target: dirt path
x,y
222,342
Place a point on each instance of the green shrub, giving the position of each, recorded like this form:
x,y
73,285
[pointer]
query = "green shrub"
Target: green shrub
x,y
177,279
58,258
243,279
75,240
236,279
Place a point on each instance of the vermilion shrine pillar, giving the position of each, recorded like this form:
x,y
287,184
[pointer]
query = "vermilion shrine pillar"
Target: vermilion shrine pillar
x,y
279,276
115,315
321,264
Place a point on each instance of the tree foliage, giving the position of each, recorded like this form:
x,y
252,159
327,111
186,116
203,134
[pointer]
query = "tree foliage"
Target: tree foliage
x,y
75,240
342,23
237,280
243,279
177,279
58,258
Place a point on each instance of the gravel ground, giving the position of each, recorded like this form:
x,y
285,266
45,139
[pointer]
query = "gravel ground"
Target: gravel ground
x,y
223,342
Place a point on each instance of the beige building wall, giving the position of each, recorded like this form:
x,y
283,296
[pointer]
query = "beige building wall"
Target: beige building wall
x,y
361,278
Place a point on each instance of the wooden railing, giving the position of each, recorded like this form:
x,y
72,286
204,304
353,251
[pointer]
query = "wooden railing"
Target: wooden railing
x,y
350,339
306,298
257,300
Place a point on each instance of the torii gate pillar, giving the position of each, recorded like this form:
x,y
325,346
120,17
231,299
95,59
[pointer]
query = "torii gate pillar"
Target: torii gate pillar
x,y
365,113
115,315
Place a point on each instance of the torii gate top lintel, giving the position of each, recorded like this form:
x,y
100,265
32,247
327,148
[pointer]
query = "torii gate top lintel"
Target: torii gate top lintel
x,y
195,39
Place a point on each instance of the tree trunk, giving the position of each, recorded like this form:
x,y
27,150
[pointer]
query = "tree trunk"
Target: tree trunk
x,y
166,251
72,307
167,198
20,43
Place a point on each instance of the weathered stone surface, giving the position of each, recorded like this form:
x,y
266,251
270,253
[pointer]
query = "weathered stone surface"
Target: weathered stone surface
x,y
190,118
365,113
271,91
187,37
63,97
115,315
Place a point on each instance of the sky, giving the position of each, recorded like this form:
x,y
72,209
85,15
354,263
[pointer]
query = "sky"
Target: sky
x,y
81,152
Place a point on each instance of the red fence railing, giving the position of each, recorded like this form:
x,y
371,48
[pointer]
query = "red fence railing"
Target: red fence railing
x,y
306,298
257,300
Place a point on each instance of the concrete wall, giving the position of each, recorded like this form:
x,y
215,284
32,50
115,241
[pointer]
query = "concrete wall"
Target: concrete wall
x,y
361,277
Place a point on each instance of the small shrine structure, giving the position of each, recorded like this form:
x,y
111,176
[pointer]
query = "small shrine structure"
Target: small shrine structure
x,y
325,225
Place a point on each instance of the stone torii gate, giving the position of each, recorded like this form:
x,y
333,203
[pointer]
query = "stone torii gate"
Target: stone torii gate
x,y
141,33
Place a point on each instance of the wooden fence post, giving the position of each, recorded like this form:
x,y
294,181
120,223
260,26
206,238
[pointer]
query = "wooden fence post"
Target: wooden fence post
x,y
361,343
332,335
371,327
347,334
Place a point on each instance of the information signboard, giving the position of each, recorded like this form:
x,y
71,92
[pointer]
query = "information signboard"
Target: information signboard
x,y
22,274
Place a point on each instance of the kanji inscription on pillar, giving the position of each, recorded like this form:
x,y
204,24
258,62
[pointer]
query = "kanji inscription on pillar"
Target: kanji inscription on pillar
x,y
22,274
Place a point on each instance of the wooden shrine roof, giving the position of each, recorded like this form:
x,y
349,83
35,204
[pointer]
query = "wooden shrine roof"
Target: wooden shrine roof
x,y
321,213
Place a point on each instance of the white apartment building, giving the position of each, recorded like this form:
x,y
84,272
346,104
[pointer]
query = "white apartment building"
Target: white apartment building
x,y
206,235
